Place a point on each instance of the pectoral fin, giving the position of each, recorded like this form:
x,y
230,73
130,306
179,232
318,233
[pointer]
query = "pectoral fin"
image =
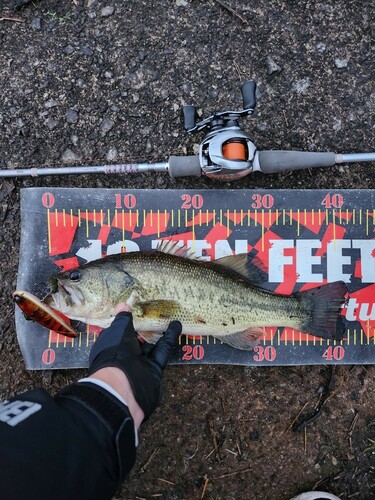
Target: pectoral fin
x,y
150,337
156,309
245,340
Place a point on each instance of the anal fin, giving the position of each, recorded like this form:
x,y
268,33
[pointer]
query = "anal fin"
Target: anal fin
x,y
245,340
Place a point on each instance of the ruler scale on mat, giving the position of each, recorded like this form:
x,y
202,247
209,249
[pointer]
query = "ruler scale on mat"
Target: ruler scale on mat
x,y
303,237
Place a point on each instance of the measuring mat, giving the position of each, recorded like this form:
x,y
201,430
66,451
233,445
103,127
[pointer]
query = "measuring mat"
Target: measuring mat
x,y
304,238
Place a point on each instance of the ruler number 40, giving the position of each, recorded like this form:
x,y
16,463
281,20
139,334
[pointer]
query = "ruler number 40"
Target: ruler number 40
x,y
334,353
333,200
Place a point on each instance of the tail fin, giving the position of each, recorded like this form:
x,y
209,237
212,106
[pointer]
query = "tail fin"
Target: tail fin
x,y
322,305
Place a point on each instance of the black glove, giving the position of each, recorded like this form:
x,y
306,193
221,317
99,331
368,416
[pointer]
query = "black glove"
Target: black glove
x,y
118,346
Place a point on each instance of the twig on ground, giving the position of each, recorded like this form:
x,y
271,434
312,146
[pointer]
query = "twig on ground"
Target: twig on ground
x,y
11,18
351,427
152,456
295,418
206,480
233,473
232,11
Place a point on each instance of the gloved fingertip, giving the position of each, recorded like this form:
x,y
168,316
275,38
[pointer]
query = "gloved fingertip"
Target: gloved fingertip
x,y
174,327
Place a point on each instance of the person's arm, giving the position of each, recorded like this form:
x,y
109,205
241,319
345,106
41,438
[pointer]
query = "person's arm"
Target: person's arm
x,y
82,442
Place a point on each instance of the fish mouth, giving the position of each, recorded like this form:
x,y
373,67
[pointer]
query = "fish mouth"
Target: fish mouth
x,y
61,292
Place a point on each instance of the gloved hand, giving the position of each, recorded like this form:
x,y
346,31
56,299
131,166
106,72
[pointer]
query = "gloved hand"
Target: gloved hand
x,y
118,346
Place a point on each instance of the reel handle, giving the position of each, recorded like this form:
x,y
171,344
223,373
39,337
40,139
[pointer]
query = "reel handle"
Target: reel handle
x,y
248,94
190,117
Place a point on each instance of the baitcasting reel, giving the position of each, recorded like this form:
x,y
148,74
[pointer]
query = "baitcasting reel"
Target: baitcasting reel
x,y
226,153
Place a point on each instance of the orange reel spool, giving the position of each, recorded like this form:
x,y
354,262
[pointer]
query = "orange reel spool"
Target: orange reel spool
x,y
234,151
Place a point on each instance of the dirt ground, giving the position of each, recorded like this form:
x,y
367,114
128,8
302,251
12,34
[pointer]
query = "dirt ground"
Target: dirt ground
x,y
93,82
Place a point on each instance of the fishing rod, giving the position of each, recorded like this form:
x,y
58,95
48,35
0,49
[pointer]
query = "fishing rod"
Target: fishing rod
x,y
226,152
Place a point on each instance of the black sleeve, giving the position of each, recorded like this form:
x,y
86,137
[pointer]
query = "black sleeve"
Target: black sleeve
x,y
79,444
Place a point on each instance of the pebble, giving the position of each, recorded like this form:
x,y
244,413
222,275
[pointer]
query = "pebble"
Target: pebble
x,y
301,86
105,126
51,124
86,51
51,104
71,116
69,156
74,139
36,23
341,63
69,49
112,154
272,66
107,11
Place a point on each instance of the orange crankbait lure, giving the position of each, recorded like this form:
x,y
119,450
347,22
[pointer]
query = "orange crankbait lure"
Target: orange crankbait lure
x,y
35,310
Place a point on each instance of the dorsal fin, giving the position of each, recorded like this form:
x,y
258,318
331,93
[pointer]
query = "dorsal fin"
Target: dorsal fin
x,y
251,268
173,248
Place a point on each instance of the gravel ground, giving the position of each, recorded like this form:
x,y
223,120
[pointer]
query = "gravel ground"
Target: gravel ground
x,y
93,82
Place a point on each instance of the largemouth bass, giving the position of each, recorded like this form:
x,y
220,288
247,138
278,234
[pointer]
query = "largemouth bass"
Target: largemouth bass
x,y
209,298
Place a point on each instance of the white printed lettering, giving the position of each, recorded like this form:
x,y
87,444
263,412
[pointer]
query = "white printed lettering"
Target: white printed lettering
x,y
277,259
12,413
367,252
306,260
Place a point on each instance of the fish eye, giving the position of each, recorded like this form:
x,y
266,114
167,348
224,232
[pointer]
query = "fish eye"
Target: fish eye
x,y
75,275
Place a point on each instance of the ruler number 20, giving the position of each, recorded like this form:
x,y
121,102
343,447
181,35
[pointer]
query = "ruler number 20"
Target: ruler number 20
x,y
195,201
192,352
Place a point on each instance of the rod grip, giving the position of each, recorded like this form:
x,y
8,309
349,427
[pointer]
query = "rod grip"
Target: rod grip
x,y
279,161
181,166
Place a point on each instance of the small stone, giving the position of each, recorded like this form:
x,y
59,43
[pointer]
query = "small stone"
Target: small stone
x,y
341,63
108,75
69,49
36,23
90,3
112,154
86,51
71,116
135,98
272,66
107,11
69,156
320,47
74,139
51,104
181,3
51,124
105,126
262,126
301,86
19,122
